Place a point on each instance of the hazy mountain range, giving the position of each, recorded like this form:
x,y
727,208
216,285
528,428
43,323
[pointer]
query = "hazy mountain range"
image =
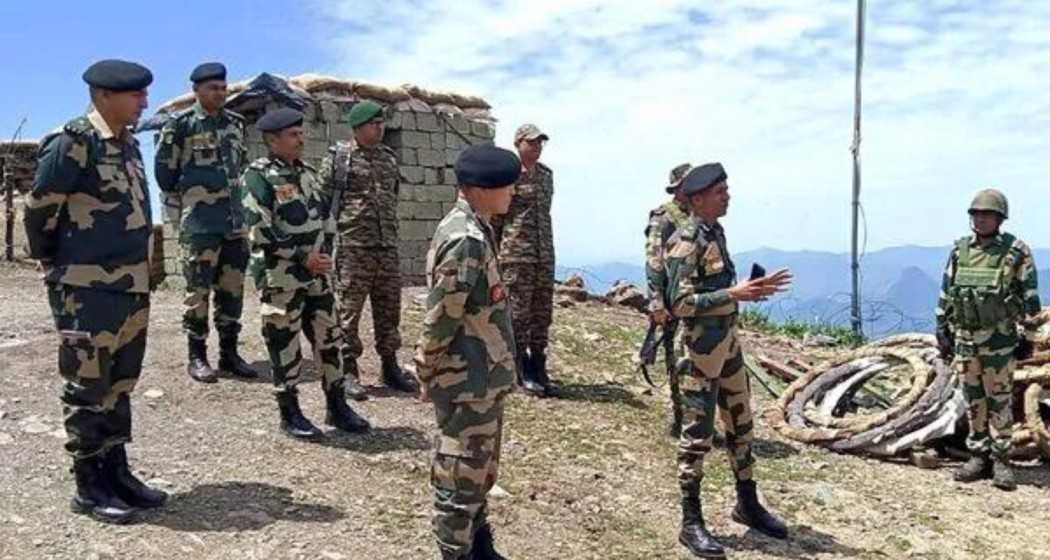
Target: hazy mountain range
x,y
899,284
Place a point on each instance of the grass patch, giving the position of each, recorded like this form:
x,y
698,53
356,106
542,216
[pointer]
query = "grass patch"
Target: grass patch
x,y
759,321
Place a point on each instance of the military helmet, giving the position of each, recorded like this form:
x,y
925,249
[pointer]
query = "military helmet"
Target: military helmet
x,y
679,172
990,200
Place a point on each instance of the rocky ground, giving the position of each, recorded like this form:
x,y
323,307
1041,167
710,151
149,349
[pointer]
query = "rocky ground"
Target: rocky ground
x,y
586,476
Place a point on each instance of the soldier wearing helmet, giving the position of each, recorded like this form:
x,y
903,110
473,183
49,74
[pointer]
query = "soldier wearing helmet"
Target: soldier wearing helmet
x,y
985,323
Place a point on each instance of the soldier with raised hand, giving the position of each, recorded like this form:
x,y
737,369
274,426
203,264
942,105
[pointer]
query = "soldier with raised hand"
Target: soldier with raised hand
x,y
362,178
705,295
986,321
200,158
526,241
465,356
289,226
88,222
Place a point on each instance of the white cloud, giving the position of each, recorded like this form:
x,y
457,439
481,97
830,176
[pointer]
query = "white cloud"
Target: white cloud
x,y
955,99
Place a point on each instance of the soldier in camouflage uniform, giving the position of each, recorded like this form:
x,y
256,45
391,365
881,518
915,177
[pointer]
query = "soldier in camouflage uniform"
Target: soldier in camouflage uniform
x,y
289,225
526,243
465,357
664,221
88,222
200,158
986,321
704,294
363,179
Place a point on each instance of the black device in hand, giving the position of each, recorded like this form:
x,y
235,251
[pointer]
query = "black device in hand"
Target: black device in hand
x,y
757,271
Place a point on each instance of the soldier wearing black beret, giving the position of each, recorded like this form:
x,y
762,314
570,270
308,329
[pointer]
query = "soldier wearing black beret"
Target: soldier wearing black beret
x,y
88,222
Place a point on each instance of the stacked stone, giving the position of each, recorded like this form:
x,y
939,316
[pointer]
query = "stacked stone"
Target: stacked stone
x,y
17,168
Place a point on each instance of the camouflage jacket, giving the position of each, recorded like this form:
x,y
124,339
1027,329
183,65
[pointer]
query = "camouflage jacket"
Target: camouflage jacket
x,y
1019,273
199,162
700,272
524,233
88,216
287,216
466,351
664,221
368,205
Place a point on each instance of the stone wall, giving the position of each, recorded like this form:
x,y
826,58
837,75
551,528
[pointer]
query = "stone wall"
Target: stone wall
x,y
17,167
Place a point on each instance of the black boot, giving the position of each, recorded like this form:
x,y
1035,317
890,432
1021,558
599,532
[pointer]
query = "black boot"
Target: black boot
x,y
94,495
694,535
231,362
293,422
125,485
529,382
340,414
396,379
484,547
197,364
539,366
352,380
749,511
977,468
1003,475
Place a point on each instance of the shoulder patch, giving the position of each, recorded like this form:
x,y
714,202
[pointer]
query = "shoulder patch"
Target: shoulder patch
x,y
78,126
260,163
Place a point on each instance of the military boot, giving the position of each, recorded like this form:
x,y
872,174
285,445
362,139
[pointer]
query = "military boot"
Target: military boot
x,y
1003,475
977,468
352,380
484,547
749,511
395,378
231,362
539,366
94,496
339,413
529,381
694,535
125,485
197,362
293,422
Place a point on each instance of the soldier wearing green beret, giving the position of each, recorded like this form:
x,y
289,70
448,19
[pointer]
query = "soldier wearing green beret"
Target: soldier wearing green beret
x,y
363,180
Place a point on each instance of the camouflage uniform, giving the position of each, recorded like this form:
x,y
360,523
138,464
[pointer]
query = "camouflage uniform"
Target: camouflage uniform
x,y
286,211
88,221
664,221
465,358
367,264
199,162
526,243
700,272
984,347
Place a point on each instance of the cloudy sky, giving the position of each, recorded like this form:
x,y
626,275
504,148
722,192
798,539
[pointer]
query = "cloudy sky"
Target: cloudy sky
x,y
955,99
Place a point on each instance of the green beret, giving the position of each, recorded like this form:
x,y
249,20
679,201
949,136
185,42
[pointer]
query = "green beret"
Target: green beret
x,y
364,111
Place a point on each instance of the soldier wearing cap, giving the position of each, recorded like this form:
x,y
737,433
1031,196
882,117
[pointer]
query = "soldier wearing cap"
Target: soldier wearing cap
x,y
526,243
362,179
200,158
986,320
664,221
89,224
705,295
465,356
289,226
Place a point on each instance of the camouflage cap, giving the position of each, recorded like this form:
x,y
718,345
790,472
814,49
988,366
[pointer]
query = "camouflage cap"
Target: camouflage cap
x,y
677,174
990,200
363,111
529,131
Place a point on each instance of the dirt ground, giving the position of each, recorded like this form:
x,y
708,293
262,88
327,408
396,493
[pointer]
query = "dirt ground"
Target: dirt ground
x,y
586,476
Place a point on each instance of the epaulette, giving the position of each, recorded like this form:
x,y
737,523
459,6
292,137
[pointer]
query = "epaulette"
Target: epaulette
x,y
388,150
235,116
260,163
78,126
544,168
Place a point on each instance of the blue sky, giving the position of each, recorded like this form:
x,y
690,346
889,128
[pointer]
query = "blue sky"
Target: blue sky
x,y
955,96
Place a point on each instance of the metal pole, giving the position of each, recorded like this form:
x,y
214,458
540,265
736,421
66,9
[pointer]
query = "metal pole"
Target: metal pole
x,y
855,314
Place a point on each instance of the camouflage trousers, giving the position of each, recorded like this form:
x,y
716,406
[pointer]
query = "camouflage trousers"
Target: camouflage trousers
x,y
463,469
373,274
717,380
531,289
213,266
102,341
311,310
987,382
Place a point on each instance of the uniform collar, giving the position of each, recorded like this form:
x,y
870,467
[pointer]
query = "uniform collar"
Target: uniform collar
x,y
997,240
707,228
100,124
200,113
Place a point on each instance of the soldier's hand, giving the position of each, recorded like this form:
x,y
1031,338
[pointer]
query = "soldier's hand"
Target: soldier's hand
x,y
318,263
660,316
760,289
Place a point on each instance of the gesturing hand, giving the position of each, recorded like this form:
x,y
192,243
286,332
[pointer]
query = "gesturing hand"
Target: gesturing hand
x,y
760,289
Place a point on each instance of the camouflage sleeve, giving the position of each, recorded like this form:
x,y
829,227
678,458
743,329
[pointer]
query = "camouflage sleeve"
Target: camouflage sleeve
x,y
655,273
1026,285
258,217
326,177
943,313
688,296
168,170
60,162
454,275
496,223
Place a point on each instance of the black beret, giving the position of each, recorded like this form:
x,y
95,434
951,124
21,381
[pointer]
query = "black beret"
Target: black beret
x,y
279,119
703,177
487,167
118,75
208,71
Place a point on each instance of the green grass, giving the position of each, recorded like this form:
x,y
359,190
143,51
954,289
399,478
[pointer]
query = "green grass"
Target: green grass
x,y
759,321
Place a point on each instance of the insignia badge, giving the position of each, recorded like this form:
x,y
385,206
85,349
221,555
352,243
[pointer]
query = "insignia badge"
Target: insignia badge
x,y
497,293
